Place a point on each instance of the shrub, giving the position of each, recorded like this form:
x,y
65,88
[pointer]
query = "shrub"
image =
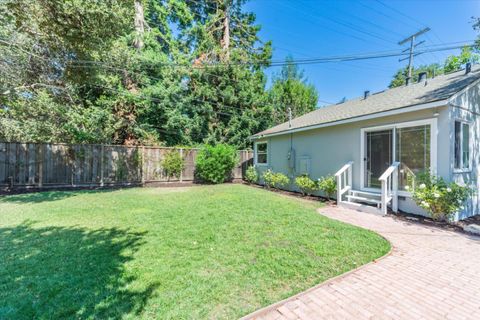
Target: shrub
x,y
214,164
251,175
305,184
173,164
328,185
439,198
275,180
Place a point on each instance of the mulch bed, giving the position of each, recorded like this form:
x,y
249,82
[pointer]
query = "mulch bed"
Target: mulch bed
x,y
408,217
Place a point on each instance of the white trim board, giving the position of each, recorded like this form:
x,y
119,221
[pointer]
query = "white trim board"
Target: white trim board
x,y
433,146
435,104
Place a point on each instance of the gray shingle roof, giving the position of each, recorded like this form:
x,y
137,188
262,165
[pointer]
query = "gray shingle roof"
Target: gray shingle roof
x,y
439,88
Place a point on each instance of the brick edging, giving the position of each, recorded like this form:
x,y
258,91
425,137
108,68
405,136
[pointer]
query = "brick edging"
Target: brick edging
x,y
275,305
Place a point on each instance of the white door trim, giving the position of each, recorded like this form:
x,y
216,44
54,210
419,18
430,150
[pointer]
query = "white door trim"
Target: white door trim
x,y
433,146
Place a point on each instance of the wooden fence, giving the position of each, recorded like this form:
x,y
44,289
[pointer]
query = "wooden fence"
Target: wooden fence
x,y
35,165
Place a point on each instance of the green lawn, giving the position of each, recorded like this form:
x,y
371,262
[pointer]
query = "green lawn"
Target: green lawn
x,y
186,253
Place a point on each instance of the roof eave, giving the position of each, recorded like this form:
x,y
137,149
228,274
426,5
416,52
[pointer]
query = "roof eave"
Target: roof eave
x,y
428,105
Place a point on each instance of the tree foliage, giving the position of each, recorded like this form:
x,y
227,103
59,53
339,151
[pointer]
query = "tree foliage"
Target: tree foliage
x,y
400,77
291,90
120,71
452,63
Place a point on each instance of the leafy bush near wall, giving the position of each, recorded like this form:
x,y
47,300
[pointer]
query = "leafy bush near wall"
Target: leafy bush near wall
x,y
439,198
306,185
214,164
251,175
173,164
328,185
275,180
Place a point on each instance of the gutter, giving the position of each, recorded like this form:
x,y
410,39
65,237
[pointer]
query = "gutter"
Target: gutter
x,y
417,107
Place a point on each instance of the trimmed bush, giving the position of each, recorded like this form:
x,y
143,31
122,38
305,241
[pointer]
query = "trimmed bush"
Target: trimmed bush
x,y
214,164
439,198
275,180
328,185
251,175
306,185
173,164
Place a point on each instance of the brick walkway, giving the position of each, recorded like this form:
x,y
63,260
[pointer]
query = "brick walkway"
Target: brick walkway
x,y
430,274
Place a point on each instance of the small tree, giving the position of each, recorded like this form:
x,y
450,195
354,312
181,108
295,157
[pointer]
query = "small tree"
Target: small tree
x,y
251,175
214,164
439,198
173,164
328,185
305,184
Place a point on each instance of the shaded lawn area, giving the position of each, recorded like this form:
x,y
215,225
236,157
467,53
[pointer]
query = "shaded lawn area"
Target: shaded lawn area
x,y
201,252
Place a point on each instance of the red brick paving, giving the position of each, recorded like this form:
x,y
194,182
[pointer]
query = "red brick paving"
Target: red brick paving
x,y
430,274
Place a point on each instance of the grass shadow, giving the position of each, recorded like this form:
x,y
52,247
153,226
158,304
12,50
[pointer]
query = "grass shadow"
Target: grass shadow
x,y
68,272
47,196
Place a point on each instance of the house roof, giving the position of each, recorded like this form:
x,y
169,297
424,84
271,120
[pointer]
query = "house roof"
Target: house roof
x,y
440,88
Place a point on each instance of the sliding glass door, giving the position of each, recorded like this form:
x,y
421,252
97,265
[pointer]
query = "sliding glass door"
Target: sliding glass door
x,y
407,143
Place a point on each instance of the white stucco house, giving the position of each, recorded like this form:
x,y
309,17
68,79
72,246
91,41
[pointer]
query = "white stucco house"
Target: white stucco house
x,y
376,144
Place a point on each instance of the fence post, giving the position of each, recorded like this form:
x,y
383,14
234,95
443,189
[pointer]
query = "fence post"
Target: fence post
x,y
40,160
102,153
181,172
143,166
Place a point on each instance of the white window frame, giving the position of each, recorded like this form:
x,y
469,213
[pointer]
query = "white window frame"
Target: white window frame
x,y
256,163
433,147
462,169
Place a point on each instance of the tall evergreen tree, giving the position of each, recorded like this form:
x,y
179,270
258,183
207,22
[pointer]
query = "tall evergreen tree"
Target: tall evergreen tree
x,y
291,90
227,84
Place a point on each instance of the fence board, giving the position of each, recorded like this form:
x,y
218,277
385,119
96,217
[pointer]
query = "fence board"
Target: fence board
x,y
37,165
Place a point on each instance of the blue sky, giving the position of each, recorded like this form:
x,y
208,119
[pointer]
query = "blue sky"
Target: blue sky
x,y
309,29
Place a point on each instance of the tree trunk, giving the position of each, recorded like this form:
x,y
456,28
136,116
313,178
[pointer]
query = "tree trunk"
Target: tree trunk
x,y
139,24
226,34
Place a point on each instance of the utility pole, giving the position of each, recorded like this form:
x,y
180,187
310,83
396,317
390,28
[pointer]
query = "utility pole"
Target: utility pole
x,y
411,50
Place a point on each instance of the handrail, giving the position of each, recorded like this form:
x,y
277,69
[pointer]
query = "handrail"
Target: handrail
x,y
344,180
389,180
344,168
389,171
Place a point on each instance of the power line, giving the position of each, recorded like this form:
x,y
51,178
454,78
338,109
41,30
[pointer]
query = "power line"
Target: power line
x,y
355,27
327,59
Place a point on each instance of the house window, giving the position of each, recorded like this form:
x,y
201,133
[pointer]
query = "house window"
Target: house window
x,y
462,145
262,153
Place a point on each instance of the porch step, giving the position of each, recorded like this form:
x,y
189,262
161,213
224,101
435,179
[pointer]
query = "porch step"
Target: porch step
x,y
364,199
360,207
366,193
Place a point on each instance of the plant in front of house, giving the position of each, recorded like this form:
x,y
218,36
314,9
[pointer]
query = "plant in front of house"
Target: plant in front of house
x,y
328,185
251,175
173,164
306,185
214,164
275,180
439,198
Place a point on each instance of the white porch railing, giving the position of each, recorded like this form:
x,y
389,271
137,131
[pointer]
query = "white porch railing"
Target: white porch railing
x,y
389,180
344,180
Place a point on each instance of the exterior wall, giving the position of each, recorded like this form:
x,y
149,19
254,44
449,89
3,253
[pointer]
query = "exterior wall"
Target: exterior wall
x,y
329,148
466,107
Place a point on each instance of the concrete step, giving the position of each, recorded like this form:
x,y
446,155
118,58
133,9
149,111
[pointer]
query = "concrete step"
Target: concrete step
x,y
366,193
360,207
376,202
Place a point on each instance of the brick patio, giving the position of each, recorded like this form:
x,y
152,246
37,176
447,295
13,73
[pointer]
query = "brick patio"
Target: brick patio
x,y
430,274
